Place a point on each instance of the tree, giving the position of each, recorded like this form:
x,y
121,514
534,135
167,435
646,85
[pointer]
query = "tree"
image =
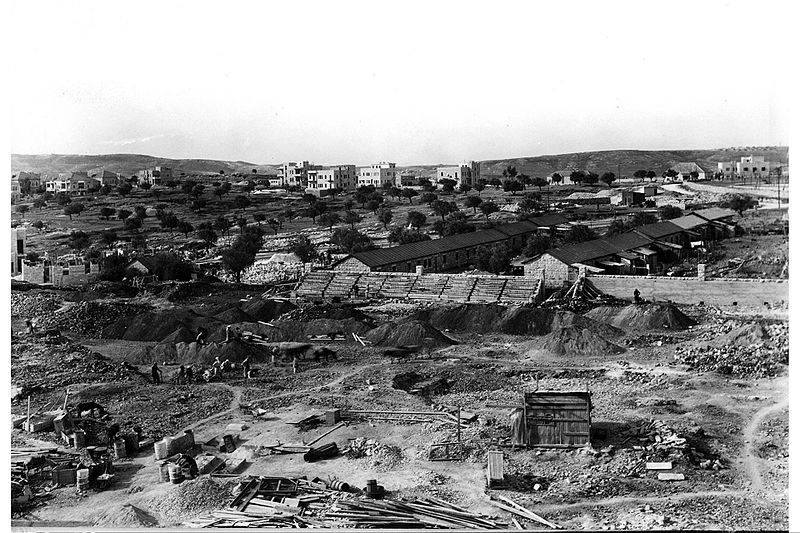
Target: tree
x,y
22,209
106,212
616,227
525,180
537,244
169,221
350,241
640,219
140,211
510,172
416,219
219,192
528,205
185,227
124,188
428,198
242,202
464,188
373,205
139,240
63,199
495,182
78,240
352,218
207,234
156,192
259,218
556,178
112,267
448,185
238,257
591,178
740,203
197,204
302,247
640,174
249,187
329,220
395,191
73,209
426,185
473,202
512,186
694,174
454,224
496,259
223,224
242,223
577,177
579,233
651,175
171,184
487,208
275,224
539,182
608,178
38,224
408,193
39,203
187,187
145,186
443,208
197,191
668,212
289,213
479,186
385,216
122,214
33,257
109,237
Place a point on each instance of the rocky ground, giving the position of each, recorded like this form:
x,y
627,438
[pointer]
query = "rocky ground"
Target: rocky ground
x,y
678,394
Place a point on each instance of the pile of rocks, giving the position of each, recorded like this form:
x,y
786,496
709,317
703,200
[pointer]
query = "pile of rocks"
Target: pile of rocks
x,y
758,360
384,456
34,304
89,318
659,442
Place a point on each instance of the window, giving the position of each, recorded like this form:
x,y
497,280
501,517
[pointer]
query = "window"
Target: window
x,y
20,246
746,169
763,168
65,271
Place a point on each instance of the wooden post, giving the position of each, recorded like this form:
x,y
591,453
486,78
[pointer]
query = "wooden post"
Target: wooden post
x,y
458,426
65,399
29,413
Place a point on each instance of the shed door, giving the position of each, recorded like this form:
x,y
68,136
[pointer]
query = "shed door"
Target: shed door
x,y
566,425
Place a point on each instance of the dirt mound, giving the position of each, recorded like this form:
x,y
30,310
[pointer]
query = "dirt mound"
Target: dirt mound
x,y
233,315
575,340
746,335
408,333
90,317
125,515
642,317
298,330
182,334
236,350
114,288
267,310
514,320
157,325
190,498
336,312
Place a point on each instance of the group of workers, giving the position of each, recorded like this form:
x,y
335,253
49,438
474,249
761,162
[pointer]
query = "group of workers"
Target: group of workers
x,y
186,373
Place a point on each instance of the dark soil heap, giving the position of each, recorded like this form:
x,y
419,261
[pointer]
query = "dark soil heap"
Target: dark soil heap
x,y
91,317
157,325
643,317
575,340
408,333
514,320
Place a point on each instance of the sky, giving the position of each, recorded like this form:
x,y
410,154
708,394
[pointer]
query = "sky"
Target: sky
x,y
414,82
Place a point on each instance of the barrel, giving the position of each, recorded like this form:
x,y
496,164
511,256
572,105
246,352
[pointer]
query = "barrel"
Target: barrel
x,y
90,450
79,439
168,442
119,449
326,451
99,452
339,485
164,471
82,478
189,438
161,450
175,474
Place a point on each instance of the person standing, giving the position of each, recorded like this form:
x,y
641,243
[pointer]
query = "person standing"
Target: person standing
x,y
246,367
517,427
189,374
156,372
181,374
636,296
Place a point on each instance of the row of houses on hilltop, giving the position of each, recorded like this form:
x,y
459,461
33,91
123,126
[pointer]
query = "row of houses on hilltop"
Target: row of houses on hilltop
x,y
640,251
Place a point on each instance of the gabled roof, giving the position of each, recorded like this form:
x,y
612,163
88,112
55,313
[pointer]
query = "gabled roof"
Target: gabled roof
x,y
589,250
518,228
546,221
687,167
148,261
416,250
658,230
714,213
689,222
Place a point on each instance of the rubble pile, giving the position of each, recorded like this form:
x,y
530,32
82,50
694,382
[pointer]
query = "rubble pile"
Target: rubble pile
x,y
408,333
190,497
125,515
40,367
643,317
732,355
34,304
89,318
381,456
659,442
575,340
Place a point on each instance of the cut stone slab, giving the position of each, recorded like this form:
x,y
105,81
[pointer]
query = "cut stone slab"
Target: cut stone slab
x,y
663,476
659,466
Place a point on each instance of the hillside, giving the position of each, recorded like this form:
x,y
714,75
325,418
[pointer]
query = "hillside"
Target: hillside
x,y
127,164
628,161
625,162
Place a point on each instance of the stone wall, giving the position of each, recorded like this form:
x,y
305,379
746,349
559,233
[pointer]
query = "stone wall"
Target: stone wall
x,y
555,272
718,292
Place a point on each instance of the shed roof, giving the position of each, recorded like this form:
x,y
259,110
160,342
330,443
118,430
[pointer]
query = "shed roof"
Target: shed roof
x,y
658,230
688,222
714,213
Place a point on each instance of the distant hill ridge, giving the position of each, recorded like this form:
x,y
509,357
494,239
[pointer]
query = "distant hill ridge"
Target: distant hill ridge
x,y
624,162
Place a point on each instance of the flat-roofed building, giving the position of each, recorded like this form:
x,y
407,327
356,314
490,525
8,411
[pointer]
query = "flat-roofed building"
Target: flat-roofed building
x,y
155,176
342,177
378,174
466,173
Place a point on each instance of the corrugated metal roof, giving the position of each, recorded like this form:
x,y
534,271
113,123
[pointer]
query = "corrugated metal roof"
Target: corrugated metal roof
x,y
714,213
658,230
589,250
545,221
517,228
416,250
689,222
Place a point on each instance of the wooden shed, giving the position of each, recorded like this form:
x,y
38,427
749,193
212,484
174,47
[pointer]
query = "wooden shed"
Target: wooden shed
x,y
556,419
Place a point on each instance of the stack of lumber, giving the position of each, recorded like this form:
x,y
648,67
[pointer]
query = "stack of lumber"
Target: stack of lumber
x,y
423,513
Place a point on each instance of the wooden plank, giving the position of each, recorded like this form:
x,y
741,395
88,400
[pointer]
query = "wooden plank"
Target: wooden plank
x,y
667,465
